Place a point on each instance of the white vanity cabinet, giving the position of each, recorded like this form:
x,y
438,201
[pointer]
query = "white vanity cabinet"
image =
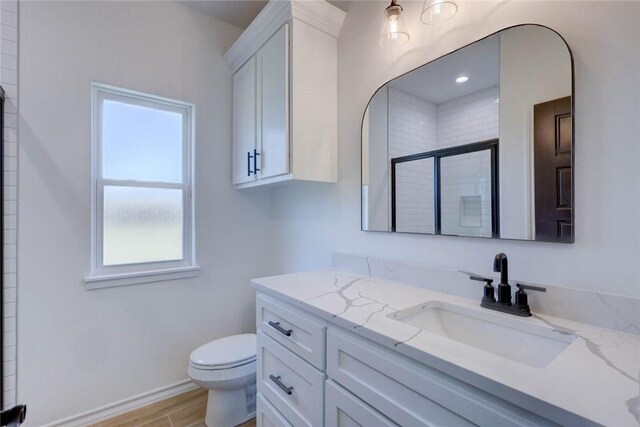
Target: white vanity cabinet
x,y
285,94
311,373
290,363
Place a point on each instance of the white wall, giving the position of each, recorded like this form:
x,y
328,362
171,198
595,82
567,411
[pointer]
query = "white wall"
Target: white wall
x,y
543,58
81,349
376,193
604,37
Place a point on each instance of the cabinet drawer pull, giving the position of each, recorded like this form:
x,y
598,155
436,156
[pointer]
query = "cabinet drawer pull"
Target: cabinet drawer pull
x,y
255,161
277,327
288,390
249,157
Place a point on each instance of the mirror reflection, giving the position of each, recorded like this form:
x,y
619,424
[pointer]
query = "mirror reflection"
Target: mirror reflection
x,y
477,143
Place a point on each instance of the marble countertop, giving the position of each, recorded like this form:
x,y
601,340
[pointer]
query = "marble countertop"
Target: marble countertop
x,y
596,377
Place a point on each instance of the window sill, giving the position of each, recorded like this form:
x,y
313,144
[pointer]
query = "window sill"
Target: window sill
x,y
126,279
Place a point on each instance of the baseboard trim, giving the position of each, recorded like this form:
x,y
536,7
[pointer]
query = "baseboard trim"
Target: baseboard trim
x,y
125,405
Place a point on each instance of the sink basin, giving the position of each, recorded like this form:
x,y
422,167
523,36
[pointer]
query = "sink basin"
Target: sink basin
x,y
511,338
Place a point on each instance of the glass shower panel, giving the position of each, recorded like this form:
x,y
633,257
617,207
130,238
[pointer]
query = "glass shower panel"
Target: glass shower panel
x,y
414,196
466,197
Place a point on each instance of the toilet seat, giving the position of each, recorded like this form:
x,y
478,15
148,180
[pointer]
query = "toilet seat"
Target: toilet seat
x,y
220,376
225,353
204,367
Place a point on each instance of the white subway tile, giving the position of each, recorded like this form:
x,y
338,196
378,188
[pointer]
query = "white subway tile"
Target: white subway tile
x,y
9,309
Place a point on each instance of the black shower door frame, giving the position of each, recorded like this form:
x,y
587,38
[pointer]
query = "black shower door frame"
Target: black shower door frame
x,y
437,155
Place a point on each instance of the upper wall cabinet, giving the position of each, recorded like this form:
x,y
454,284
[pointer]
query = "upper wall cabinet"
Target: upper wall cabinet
x,y
285,97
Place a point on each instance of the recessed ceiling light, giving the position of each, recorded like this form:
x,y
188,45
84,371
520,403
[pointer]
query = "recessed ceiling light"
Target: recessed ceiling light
x,y
462,79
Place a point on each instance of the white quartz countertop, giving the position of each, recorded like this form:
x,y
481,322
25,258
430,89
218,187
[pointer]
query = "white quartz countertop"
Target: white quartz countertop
x,y
596,377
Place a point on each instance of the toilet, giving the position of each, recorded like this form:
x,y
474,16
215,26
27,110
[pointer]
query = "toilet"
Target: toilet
x,y
227,368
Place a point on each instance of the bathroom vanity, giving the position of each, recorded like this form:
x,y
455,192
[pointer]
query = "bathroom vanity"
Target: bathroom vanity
x,y
343,349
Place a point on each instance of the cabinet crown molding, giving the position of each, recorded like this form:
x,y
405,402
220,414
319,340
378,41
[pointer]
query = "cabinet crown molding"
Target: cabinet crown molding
x,y
317,13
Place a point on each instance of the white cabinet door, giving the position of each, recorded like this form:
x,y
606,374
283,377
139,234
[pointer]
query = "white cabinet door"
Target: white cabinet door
x,y
342,409
267,415
412,394
244,122
291,385
273,101
292,328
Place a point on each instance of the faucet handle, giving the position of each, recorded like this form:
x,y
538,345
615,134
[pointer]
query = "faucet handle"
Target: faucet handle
x,y
487,280
522,300
531,287
488,296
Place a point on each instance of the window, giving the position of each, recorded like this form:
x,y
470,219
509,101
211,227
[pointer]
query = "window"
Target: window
x,y
142,195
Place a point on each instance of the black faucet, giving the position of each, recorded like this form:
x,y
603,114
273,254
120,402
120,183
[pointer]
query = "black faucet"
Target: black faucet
x,y
503,304
501,265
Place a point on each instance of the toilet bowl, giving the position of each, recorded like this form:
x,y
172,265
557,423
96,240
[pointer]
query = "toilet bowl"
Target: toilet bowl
x,y
227,368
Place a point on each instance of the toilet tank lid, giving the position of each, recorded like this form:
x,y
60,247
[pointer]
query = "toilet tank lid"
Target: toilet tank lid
x,y
225,351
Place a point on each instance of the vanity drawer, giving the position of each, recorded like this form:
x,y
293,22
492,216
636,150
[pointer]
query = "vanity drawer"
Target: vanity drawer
x,y
410,393
345,410
267,415
295,388
293,329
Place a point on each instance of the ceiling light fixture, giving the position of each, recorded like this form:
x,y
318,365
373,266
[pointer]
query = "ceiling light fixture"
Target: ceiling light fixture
x,y
462,79
438,11
393,32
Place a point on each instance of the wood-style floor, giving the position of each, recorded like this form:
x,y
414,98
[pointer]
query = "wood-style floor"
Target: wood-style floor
x,y
184,410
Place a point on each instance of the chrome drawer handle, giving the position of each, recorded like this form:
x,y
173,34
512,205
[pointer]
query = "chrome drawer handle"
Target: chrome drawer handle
x,y
288,390
277,327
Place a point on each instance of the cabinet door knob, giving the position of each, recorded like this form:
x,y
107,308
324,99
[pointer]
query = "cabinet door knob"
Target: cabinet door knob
x,y
249,157
288,390
255,161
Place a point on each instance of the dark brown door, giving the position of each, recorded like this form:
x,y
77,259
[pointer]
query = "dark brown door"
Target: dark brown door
x,y
553,146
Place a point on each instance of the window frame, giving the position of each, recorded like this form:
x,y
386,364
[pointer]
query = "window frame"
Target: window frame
x,y
140,272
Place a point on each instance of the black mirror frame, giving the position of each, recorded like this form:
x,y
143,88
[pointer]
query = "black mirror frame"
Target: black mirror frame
x,y
573,133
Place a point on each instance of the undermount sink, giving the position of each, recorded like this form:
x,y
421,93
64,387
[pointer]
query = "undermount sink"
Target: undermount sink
x,y
513,339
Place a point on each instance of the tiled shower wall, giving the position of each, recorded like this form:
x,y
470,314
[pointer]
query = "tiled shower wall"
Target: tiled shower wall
x,y
412,129
467,178
9,80
468,119
466,194
416,126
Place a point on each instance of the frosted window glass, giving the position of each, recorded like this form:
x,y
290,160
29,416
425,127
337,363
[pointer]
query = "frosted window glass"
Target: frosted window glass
x,y
142,225
140,143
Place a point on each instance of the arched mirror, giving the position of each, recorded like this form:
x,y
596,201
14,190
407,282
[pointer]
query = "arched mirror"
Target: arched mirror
x,y
477,143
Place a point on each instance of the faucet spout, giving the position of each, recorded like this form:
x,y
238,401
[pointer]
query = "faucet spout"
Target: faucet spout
x,y
500,264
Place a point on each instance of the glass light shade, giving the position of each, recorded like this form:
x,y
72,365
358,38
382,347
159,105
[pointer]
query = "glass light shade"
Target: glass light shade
x,y
437,11
393,32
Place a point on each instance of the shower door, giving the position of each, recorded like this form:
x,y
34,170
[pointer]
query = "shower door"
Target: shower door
x,y
450,191
11,416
